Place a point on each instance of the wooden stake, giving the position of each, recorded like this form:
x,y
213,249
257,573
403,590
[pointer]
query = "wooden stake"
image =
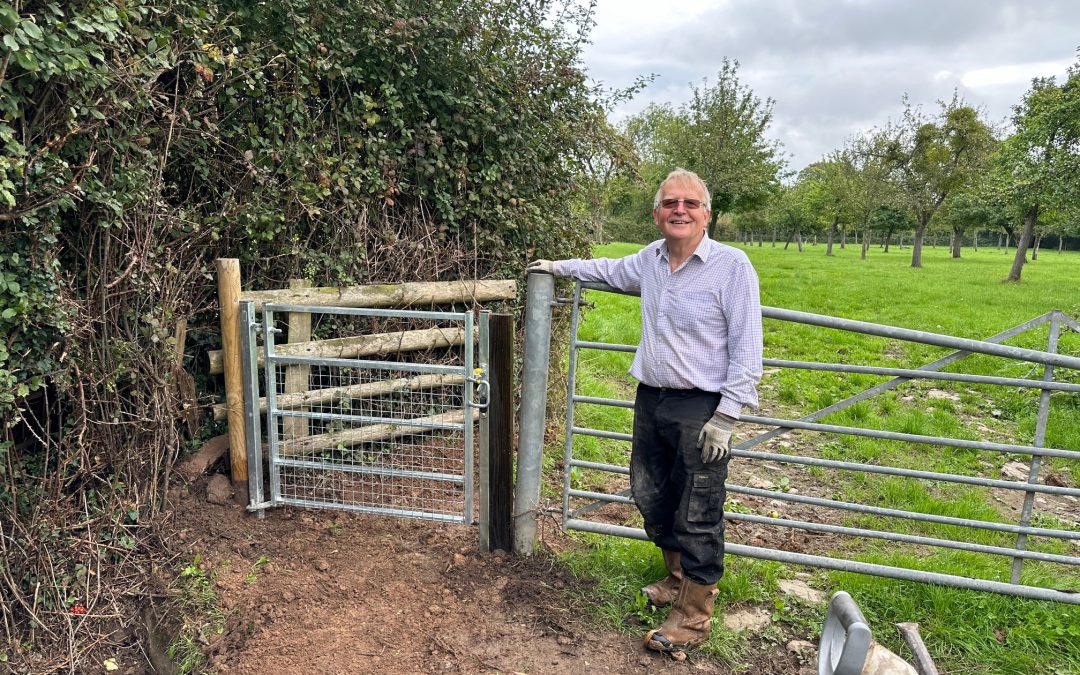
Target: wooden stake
x,y
228,273
501,432
297,378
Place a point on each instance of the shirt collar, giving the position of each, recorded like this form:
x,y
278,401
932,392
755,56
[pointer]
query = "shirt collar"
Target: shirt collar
x,y
702,250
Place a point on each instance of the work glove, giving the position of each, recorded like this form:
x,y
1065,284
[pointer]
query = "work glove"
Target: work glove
x,y
715,437
545,266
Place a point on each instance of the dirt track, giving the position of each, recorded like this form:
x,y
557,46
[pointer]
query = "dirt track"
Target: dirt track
x,y
348,593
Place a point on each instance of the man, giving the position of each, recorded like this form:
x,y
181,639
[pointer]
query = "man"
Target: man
x,y
698,364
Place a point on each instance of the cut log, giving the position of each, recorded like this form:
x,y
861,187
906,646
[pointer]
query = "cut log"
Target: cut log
x,y
362,345
370,433
390,295
210,452
366,390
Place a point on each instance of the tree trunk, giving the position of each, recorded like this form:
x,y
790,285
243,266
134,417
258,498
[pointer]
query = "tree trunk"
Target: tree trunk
x,y
916,247
888,238
798,239
957,238
1061,243
1035,250
712,224
832,236
1020,258
999,240
774,237
843,238
976,241
790,236
865,244
760,237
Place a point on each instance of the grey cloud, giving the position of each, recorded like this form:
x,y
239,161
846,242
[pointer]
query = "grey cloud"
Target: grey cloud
x,y
835,69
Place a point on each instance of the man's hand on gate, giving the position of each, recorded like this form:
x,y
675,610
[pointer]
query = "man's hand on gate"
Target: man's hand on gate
x,y
545,266
715,437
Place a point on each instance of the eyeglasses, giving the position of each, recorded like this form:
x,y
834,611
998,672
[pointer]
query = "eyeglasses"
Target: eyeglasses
x,y
688,204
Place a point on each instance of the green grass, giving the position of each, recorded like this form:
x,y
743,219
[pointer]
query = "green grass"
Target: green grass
x,y
196,605
966,631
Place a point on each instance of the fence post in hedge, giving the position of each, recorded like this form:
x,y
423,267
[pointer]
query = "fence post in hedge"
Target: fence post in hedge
x,y
228,273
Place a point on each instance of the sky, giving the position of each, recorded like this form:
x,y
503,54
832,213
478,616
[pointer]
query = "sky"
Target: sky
x,y
836,68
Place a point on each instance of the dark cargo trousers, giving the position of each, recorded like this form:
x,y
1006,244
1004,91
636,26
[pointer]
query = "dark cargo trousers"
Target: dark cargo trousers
x,y
680,498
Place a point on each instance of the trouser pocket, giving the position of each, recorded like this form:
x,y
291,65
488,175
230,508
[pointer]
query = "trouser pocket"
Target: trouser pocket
x,y
706,502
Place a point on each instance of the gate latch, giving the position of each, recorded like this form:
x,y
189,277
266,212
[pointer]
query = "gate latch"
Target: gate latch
x,y
481,388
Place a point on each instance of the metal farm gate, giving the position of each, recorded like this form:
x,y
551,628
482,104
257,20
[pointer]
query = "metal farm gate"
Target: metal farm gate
x,y
590,486
346,430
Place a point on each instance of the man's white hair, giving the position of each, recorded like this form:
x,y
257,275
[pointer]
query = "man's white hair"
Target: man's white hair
x,y
683,176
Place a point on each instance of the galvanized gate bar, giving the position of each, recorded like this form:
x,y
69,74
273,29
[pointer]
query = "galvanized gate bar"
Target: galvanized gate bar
x,y
924,337
908,473
905,334
841,565
1040,438
249,363
906,373
624,498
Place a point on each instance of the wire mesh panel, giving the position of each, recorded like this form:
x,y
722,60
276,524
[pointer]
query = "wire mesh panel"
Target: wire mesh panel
x,y
382,436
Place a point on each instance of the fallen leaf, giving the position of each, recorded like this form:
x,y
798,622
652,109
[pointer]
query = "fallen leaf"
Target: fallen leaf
x,y
110,664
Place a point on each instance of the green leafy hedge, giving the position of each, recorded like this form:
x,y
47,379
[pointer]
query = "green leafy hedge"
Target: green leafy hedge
x,y
344,141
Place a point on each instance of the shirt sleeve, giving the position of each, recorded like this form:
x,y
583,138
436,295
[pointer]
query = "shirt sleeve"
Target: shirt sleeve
x,y
741,304
621,273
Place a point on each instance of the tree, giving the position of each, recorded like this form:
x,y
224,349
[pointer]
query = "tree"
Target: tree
x,y
888,220
1038,167
932,157
719,134
830,192
971,209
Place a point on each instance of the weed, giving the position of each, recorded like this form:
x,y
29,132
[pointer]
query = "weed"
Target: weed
x,y
197,607
253,574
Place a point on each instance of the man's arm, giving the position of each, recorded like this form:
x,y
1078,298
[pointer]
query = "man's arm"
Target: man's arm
x,y
742,309
621,273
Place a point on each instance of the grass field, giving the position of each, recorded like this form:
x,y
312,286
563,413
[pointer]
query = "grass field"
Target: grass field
x,y
966,631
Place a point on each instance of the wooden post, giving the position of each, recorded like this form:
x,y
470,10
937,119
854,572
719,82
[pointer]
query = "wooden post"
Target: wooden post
x,y
228,273
501,432
297,377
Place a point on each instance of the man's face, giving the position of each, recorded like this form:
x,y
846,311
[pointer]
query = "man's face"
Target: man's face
x,y
677,221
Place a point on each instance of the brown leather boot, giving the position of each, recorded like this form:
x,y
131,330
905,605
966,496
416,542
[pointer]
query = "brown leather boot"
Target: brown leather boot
x,y
662,593
690,621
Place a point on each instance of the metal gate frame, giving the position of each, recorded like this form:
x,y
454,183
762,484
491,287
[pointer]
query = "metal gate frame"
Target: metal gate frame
x,y
474,395
1049,359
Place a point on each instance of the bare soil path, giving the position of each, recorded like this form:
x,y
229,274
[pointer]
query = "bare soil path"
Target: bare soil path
x,y
333,592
